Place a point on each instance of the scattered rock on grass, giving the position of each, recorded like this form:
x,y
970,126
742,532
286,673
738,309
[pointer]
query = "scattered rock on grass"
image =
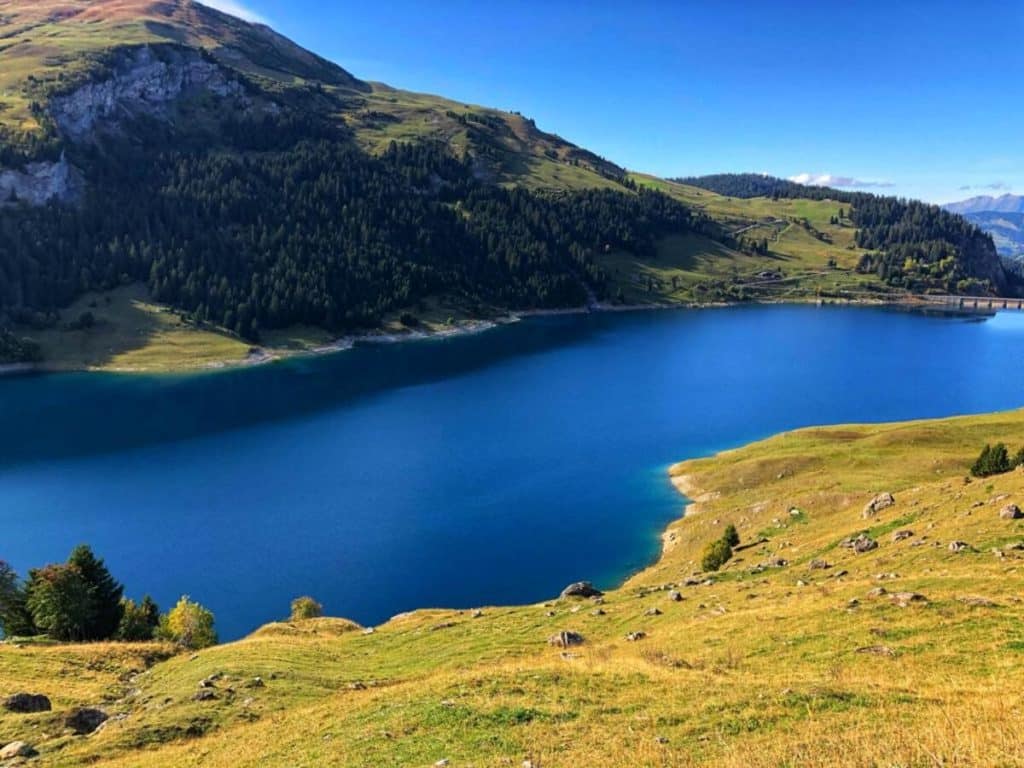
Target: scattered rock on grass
x,y
85,720
565,639
1011,512
16,749
26,703
634,636
675,596
901,535
877,504
581,589
652,612
877,650
204,694
819,565
978,602
959,546
903,599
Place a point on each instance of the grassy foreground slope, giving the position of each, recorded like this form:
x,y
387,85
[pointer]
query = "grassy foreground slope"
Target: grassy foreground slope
x,y
770,662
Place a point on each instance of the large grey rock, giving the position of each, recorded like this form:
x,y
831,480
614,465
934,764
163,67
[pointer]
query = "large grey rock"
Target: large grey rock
x,y
877,504
16,749
25,703
581,589
85,720
1011,512
565,639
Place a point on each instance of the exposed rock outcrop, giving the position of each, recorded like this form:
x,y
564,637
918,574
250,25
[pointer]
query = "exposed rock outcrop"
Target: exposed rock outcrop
x,y
39,183
143,82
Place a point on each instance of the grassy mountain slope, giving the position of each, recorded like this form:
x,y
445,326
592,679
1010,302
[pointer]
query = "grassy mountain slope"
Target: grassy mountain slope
x,y
772,662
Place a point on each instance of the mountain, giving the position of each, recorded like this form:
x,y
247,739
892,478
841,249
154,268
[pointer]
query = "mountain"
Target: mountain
x,y
160,159
1001,217
1006,229
987,203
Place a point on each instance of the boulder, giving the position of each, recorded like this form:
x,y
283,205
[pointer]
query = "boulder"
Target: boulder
x,y
863,544
85,720
25,703
959,546
581,589
634,636
819,565
675,596
16,749
652,612
901,535
877,504
903,599
565,639
204,694
1011,512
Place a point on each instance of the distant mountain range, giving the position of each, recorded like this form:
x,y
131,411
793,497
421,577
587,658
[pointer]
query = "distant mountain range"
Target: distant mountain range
x,y
988,203
1002,217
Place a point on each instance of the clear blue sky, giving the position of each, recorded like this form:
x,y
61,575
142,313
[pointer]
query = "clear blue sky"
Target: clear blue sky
x,y
919,98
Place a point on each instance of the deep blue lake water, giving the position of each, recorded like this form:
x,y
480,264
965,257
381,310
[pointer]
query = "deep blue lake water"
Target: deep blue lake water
x,y
479,470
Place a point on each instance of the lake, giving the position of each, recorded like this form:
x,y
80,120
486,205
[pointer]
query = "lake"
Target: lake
x,y
478,470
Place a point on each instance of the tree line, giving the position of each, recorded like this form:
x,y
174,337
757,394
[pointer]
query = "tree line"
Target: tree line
x,y
79,600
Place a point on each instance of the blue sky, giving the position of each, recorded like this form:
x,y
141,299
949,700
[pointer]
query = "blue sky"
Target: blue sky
x,y
903,97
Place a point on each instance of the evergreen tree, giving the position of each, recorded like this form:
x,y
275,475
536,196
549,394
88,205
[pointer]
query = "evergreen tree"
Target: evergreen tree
x,y
106,608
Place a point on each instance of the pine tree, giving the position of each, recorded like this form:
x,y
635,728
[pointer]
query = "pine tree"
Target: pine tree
x,y
106,593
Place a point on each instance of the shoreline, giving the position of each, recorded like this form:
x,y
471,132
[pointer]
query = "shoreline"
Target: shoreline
x,y
264,355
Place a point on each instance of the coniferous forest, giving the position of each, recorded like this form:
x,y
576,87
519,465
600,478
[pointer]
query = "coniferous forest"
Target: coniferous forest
x,y
286,221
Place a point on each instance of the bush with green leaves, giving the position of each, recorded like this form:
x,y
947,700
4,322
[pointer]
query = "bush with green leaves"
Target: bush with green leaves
x,y
716,554
306,608
60,601
188,624
139,621
731,536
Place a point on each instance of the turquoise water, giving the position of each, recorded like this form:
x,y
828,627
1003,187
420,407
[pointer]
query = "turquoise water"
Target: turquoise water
x,y
485,469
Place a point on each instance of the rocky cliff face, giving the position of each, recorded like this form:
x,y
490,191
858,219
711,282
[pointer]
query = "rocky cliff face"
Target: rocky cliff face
x,y
143,82
39,183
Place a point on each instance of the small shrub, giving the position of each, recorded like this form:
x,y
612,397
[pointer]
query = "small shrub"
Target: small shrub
x,y
188,624
306,608
731,535
716,554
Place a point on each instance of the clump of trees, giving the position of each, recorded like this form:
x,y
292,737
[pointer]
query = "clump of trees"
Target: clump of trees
x,y
719,552
80,601
995,460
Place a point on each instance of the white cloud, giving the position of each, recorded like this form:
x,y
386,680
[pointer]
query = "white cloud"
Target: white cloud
x,y
829,180
236,8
